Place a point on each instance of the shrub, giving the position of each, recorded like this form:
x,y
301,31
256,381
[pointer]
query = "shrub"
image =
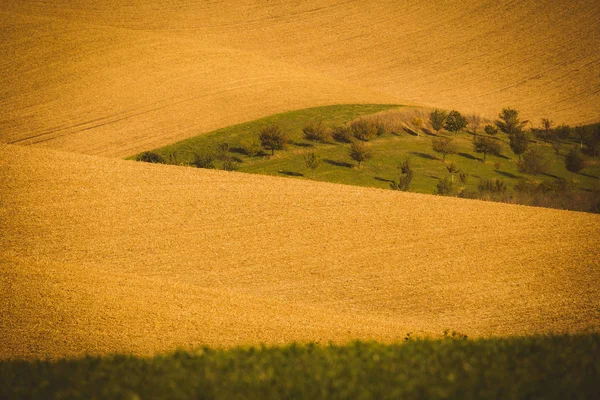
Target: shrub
x,y
474,122
417,124
591,143
443,187
222,151
463,176
316,132
360,152
562,131
150,157
312,161
519,142
443,145
341,134
406,175
491,130
204,160
251,146
363,129
491,185
574,162
271,138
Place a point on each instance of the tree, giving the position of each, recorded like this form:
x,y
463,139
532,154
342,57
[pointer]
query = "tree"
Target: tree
x,y
533,162
312,162
360,152
150,157
562,131
443,187
417,124
443,145
519,141
486,145
437,119
406,175
363,129
574,162
452,169
341,134
545,132
273,139
251,146
509,122
591,143
491,130
455,122
556,144
316,132
474,122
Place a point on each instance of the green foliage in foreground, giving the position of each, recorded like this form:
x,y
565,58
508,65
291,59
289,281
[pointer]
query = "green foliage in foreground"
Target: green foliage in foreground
x,y
557,367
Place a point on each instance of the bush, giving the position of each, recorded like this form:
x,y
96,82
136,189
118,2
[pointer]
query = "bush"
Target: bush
x,y
443,187
204,160
230,165
251,146
574,162
150,157
316,132
491,130
443,145
486,145
312,161
405,177
491,185
519,142
533,162
363,129
341,134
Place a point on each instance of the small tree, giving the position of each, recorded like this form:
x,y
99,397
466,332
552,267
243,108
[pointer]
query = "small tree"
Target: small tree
x,y
360,152
562,131
363,129
591,144
509,122
150,157
533,162
251,146
545,132
574,162
474,122
455,122
437,119
312,162
273,139
406,175
443,187
316,132
519,141
581,133
417,124
452,169
556,144
486,145
341,134
491,130
443,145
223,151
204,160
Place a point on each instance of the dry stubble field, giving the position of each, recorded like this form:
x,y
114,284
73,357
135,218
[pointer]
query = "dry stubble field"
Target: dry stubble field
x,y
101,255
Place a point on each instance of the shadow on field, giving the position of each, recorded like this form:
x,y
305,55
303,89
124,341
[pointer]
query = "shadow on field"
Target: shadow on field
x,y
469,156
338,163
291,173
507,174
377,178
424,155
302,144
551,175
589,176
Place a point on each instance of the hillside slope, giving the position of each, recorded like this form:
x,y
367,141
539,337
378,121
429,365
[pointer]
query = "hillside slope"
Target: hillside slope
x,y
120,77
101,255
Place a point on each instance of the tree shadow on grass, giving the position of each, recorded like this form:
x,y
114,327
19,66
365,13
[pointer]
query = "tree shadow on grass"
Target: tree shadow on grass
x,y
338,163
291,173
302,144
507,174
433,177
469,156
377,178
550,175
424,155
589,176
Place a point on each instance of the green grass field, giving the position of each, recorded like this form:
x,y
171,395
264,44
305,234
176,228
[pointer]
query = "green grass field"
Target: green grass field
x,y
389,150
540,367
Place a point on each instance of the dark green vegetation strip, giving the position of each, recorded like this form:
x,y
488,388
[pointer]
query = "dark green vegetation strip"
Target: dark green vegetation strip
x,y
556,367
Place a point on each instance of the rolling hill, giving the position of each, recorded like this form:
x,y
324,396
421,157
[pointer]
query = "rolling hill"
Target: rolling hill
x,y
117,78
103,255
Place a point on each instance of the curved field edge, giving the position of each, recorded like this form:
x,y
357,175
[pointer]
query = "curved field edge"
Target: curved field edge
x,y
389,150
545,367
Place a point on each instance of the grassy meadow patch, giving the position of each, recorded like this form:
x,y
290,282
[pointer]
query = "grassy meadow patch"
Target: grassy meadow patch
x,y
539,367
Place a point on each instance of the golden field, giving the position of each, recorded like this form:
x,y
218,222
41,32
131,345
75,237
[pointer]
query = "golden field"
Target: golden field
x,y
116,78
102,255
